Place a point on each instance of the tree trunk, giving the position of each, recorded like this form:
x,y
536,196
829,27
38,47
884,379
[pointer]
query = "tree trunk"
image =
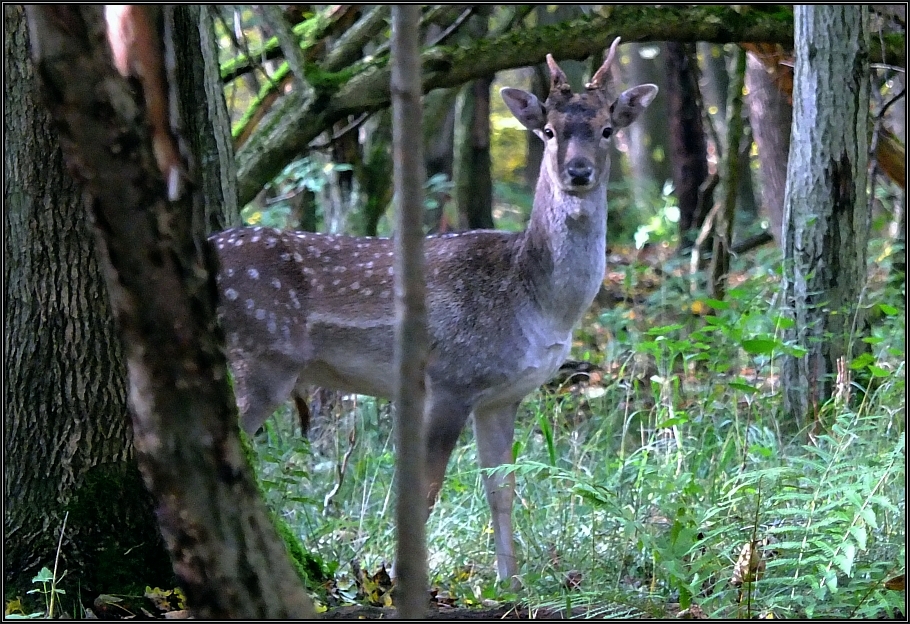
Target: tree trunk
x,y
687,140
826,224
411,339
439,148
157,266
770,115
66,429
473,184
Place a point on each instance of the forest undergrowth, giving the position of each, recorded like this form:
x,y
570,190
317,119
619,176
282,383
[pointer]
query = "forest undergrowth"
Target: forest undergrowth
x,y
656,476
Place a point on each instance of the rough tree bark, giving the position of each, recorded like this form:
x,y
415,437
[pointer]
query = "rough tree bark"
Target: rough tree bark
x,y
411,339
826,220
158,267
67,437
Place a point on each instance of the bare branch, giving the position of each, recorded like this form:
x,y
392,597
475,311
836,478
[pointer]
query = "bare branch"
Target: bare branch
x,y
274,17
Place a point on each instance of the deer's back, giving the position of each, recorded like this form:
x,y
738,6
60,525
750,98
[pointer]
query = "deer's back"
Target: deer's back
x,y
324,304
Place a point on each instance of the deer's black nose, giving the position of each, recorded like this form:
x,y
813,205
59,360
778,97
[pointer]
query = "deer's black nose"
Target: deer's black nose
x,y
580,171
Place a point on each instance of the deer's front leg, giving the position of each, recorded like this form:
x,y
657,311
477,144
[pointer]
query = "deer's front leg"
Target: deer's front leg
x,y
494,430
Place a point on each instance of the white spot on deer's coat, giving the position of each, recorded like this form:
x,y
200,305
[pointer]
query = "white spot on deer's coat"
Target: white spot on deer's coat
x,y
229,272
270,242
272,327
367,292
285,256
369,265
276,283
355,285
385,294
238,242
298,257
255,239
231,294
253,273
260,314
368,273
250,304
336,282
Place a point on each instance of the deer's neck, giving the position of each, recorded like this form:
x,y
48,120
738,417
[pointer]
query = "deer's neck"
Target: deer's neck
x,y
564,251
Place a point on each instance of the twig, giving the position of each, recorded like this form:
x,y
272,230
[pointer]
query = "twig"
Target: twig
x,y
50,608
888,104
461,19
337,135
341,469
752,242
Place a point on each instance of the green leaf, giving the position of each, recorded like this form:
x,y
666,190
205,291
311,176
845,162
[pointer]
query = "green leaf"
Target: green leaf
x,y
665,329
878,371
44,576
861,361
784,322
760,346
888,310
743,387
858,532
868,514
844,561
671,422
717,304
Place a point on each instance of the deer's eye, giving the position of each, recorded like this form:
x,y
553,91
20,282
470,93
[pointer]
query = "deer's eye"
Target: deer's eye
x,y
607,132
548,132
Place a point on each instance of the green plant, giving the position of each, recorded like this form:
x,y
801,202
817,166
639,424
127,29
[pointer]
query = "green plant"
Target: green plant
x,y
48,585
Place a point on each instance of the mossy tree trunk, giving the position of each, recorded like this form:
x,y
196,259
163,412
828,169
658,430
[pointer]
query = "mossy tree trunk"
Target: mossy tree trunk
x,y
67,432
826,212
149,221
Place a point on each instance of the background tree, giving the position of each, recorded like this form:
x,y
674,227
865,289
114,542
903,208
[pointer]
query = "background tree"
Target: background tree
x,y
688,156
67,435
770,114
826,218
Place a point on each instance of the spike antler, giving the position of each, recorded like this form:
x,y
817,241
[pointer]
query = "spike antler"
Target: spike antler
x,y
558,81
599,79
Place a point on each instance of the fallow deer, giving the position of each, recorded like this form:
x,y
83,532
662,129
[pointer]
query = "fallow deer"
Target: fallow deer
x,y
301,309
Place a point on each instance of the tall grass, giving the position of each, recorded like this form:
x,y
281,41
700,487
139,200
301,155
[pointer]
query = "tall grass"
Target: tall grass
x,y
645,487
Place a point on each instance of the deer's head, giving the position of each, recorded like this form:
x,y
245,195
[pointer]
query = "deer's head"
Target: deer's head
x,y
576,128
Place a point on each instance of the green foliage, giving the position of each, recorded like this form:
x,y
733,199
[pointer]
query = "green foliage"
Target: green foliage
x,y
46,586
649,485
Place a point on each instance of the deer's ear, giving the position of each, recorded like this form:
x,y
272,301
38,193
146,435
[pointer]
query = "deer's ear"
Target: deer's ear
x,y
526,108
630,103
